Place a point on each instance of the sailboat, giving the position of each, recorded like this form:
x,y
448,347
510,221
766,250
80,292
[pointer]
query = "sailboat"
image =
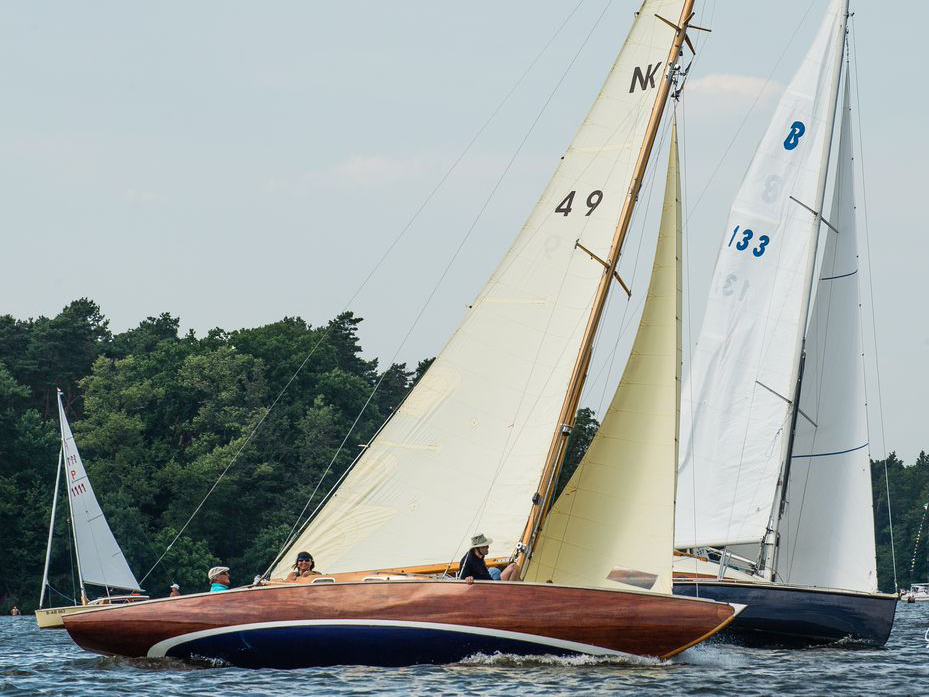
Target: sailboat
x,y
477,445
774,490
100,561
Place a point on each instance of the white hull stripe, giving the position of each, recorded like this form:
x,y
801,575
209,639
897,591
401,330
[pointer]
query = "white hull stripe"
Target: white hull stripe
x,y
161,649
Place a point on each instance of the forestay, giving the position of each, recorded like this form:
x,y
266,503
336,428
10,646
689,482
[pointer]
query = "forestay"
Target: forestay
x,y
613,525
464,452
735,416
827,532
100,559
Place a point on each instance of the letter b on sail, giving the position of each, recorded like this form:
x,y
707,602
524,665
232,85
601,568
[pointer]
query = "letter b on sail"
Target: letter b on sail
x,y
639,78
797,129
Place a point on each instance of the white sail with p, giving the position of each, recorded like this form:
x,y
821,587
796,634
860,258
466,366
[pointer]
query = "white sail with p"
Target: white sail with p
x,y
100,560
736,400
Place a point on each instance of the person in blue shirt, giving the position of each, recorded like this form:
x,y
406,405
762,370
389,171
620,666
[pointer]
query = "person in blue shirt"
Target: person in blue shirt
x,y
219,578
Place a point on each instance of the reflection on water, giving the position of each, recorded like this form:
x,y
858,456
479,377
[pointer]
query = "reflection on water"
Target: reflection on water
x,y
47,662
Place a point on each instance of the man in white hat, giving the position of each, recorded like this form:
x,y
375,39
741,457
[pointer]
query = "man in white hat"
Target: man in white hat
x,y
219,578
175,591
473,567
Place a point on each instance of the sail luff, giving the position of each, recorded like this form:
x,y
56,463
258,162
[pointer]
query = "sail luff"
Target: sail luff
x,y
566,419
77,546
613,525
51,526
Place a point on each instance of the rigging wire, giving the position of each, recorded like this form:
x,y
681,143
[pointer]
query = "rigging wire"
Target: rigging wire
x,y
452,168
867,237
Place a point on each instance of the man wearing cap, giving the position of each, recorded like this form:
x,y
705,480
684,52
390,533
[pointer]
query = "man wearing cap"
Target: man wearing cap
x,y
175,591
219,578
473,567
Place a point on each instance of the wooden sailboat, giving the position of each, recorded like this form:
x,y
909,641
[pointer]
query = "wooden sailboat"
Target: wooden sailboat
x,y
476,447
775,487
100,561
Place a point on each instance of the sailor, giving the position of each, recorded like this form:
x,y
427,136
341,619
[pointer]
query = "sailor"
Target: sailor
x,y
219,578
175,591
304,567
473,567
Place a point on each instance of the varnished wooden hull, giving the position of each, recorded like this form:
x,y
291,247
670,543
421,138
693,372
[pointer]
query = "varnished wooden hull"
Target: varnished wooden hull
x,y
399,623
781,615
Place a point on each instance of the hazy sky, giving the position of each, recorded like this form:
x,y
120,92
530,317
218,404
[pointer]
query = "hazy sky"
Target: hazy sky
x,y
235,162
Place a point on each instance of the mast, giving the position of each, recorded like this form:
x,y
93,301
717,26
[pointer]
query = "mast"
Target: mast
x,y
553,461
781,502
77,551
51,526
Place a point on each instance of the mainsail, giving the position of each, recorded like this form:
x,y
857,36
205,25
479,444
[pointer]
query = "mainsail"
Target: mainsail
x,y
827,532
613,525
100,560
464,452
736,400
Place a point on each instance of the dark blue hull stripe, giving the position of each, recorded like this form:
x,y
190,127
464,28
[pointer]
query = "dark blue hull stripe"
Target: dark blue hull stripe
x,y
305,643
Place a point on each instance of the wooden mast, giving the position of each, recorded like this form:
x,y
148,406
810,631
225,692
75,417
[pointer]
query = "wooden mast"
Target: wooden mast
x,y
545,489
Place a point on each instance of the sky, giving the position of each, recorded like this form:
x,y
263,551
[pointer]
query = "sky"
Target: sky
x,y
233,163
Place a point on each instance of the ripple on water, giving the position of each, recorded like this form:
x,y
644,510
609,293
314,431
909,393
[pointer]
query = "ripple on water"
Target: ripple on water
x,y
47,663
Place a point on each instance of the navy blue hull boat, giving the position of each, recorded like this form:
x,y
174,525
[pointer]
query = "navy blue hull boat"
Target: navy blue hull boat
x,y
779,615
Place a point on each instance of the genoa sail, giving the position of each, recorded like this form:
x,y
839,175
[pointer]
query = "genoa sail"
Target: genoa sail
x,y
736,400
826,534
100,560
613,524
464,452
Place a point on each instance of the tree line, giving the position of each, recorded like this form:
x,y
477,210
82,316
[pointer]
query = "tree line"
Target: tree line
x,y
159,415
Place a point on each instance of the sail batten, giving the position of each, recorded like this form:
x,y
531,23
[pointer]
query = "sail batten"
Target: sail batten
x,y
487,407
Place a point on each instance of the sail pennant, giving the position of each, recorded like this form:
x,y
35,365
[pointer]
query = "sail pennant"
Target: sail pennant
x,y
100,559
736,398
613,525
464,452
826,535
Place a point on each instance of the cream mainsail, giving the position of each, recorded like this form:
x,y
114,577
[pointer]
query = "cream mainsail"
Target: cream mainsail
x,y
613,525
465,451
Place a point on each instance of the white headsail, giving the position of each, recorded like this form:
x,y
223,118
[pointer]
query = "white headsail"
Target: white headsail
x,y
827,532
614,522
100,560
736,400
464,452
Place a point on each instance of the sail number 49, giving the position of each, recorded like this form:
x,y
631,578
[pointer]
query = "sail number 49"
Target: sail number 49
x,y
746,241
593,200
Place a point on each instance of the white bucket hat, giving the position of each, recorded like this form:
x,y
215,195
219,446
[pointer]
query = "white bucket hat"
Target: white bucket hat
x,y
480,541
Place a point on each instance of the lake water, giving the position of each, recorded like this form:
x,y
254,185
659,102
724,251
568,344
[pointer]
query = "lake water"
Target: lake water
x,y
34,661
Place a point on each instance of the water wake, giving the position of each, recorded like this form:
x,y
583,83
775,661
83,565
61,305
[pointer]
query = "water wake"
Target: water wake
x,y
513,660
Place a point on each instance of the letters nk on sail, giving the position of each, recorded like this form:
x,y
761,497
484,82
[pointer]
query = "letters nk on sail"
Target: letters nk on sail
x,y
465,450
737,397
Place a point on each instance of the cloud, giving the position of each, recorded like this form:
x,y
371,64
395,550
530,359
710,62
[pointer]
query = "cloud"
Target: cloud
x,y
735,87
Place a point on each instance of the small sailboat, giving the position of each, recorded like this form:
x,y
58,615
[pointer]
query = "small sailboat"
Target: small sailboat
x,y
100,561
774,489
477,445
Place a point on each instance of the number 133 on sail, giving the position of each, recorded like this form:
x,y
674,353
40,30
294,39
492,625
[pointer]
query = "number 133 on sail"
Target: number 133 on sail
x,y
747,237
